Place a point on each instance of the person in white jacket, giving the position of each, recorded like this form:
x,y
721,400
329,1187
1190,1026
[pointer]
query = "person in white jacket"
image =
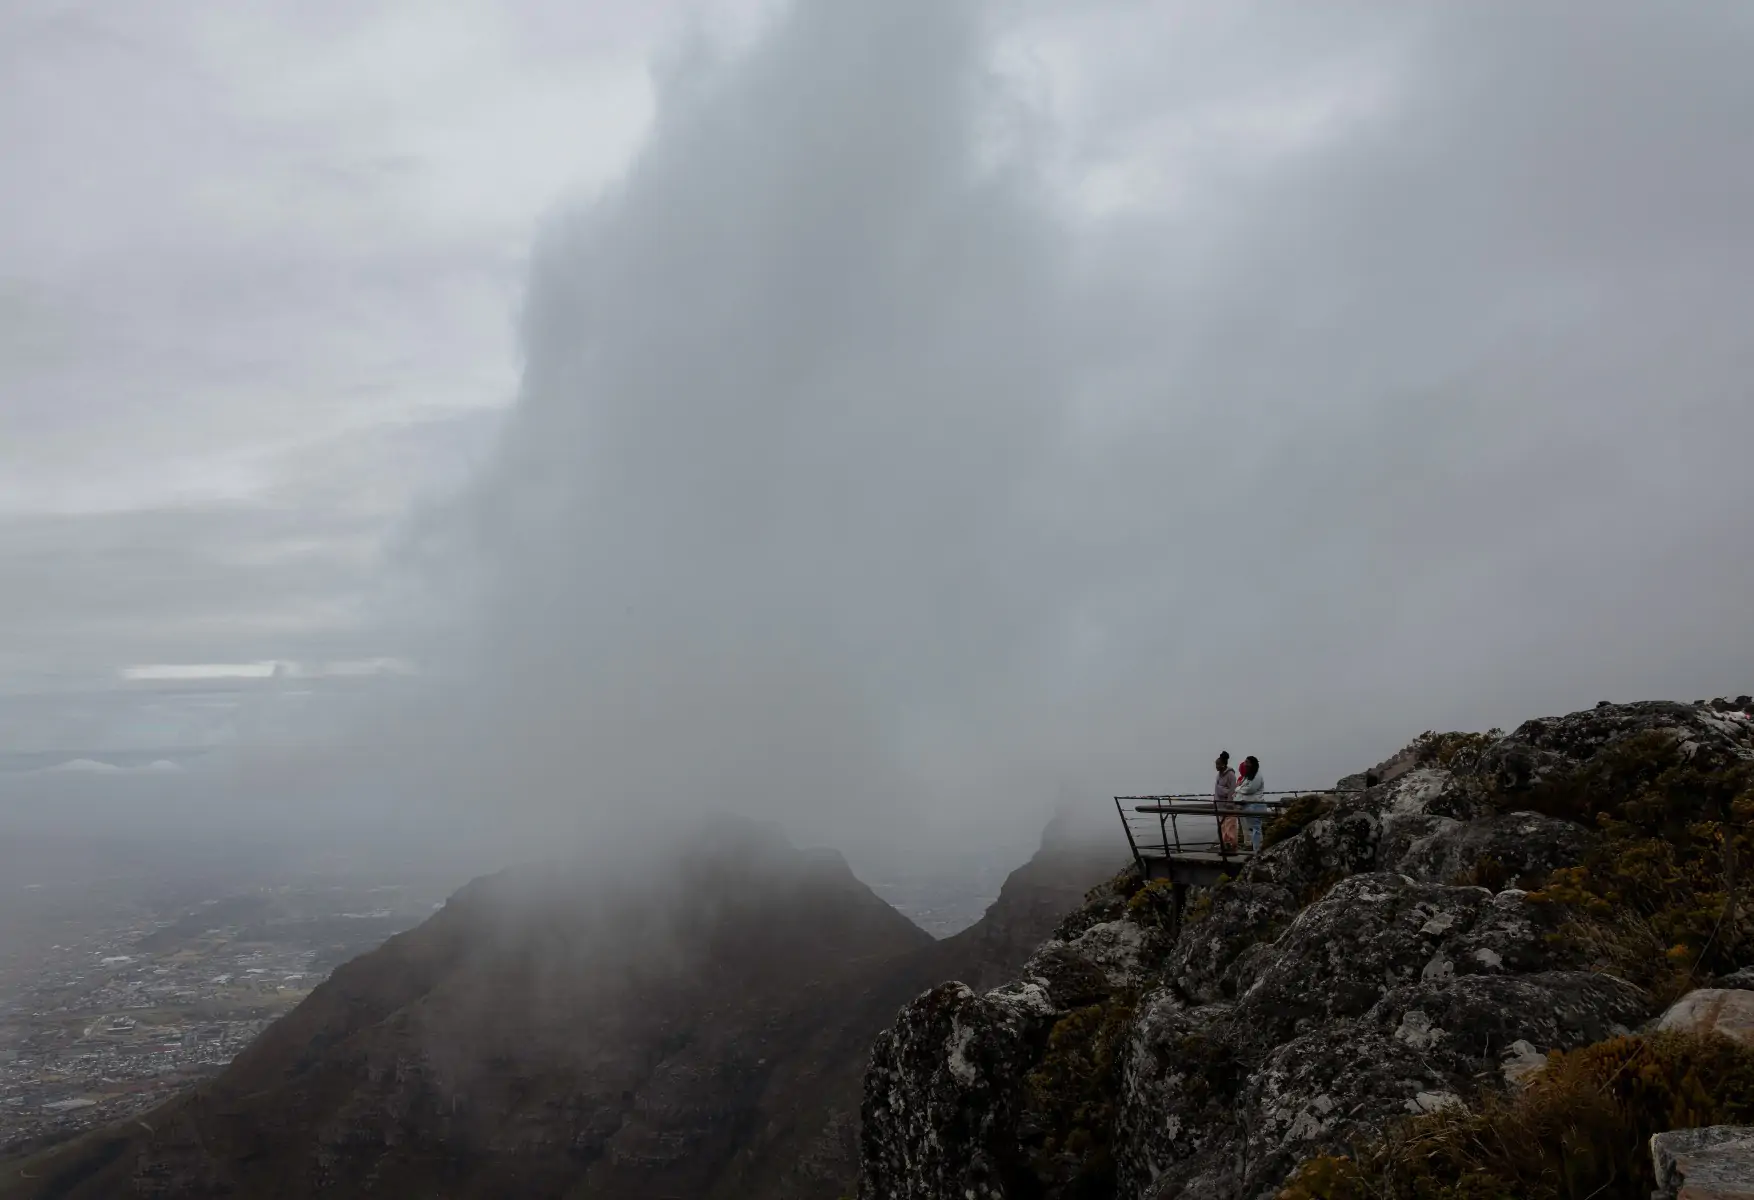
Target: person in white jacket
x,y
1248,792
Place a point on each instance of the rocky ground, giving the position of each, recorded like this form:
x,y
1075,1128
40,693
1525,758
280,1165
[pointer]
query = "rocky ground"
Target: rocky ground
x,y
1395,956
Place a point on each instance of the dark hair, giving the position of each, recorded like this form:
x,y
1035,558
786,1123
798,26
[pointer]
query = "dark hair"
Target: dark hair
x,y
1251,766
1223,760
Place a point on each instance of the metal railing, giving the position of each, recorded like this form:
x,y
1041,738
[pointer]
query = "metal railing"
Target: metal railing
x,y
1187,824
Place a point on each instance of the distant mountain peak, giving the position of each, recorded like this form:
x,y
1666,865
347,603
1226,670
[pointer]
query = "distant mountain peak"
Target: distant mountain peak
x,y
697,1026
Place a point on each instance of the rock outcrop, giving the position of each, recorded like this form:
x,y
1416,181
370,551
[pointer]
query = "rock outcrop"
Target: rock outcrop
x,y
1713,1163
1726,1011
1385,960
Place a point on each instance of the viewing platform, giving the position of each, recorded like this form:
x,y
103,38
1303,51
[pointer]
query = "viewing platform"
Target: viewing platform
x,y
1176,837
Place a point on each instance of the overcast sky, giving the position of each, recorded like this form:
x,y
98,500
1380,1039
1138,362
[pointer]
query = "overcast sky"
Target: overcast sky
x,y
938,409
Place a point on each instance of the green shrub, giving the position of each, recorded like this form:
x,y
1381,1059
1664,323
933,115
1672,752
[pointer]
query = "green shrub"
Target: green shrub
x,y
1578,1131
1490,873
1293,817
1200,907
1454,751
1125,883
1070,1098
1213,1070
1664,875
1154,905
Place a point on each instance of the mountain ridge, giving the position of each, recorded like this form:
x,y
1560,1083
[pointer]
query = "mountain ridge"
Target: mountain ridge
x,y
700,1031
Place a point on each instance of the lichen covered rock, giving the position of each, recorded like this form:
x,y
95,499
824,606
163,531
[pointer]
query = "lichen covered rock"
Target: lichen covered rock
x,y
1178,1088
1426,791
1328,849
1518,847
1728,1011
1542,749
940,1095
1715,1162
1368,934
1474,1019
1237,917
1386,998
1324,1089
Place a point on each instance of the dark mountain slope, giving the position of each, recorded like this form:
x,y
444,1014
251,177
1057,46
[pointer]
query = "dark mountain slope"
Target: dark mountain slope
x,y
698,1034
1034,899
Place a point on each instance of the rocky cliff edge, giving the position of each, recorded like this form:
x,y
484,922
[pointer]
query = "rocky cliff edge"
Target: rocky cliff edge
x,y
1417,946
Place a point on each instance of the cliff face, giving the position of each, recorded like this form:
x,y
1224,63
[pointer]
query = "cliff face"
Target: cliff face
x,y
701,1033
1390,957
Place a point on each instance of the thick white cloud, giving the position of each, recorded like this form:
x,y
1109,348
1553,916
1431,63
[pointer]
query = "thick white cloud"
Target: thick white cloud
x,y
862,464
957,408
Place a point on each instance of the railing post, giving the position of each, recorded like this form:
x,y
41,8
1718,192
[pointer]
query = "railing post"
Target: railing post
x,y
1138,859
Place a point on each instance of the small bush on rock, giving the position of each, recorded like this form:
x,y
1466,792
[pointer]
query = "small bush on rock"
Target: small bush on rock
x,y
1214,1070
1453,751
1487,872
1578,1130
1674,824
1071,1097
1294,817
1124,883
1153,905
1200,907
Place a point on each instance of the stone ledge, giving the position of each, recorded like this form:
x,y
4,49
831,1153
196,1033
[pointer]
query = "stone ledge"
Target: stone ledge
x,y
1712,1163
